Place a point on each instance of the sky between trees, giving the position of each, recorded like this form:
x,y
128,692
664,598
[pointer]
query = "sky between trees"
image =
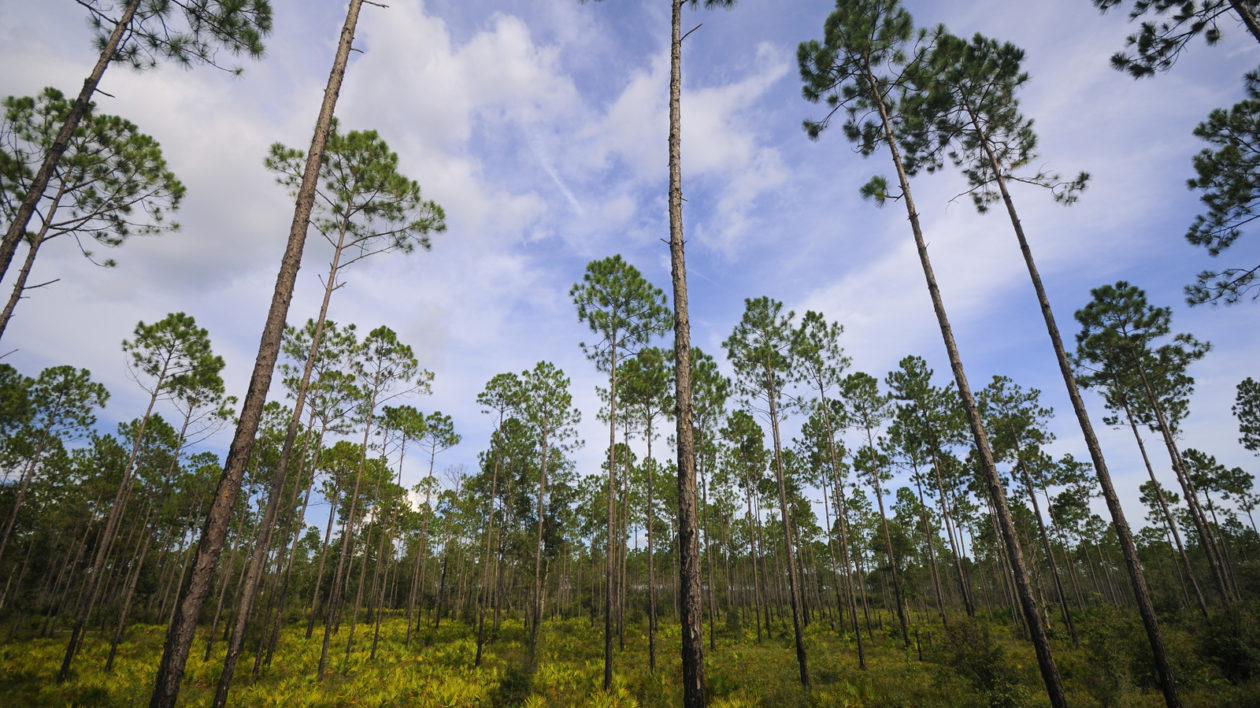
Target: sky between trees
x,y
540,127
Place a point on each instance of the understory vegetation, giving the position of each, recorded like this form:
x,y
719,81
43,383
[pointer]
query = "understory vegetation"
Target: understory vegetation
x,y
969,663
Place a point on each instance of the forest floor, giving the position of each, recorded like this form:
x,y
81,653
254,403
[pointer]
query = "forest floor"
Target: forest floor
x,y
970,665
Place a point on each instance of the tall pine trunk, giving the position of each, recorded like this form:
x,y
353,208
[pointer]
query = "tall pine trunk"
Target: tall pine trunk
x,y
1136,577
192,595
795,591
17,228
688,534
1041,643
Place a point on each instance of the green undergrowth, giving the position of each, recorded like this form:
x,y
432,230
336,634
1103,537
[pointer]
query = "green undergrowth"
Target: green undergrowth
x,y
966,664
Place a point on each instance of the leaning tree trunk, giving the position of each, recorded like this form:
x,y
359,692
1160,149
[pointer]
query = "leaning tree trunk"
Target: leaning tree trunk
x,y
262,546
688,533
1192,501
1045,546
795,592
35,192
1045,661
192,595
1136,577
25,483
1167,514
37,240
92,588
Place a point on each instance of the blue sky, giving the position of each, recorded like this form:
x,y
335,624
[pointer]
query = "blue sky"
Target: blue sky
x,y
540,127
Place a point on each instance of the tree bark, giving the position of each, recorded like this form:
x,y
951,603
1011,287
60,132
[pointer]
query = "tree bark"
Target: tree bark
x,y
193,594
795,592
688,536
1136,577
1045,661
80,108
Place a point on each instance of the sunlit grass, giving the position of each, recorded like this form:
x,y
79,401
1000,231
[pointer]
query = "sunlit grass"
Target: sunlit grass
x,y
437,670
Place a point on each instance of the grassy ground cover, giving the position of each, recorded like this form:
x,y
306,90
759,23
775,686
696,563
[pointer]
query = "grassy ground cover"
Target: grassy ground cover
x,y
969,664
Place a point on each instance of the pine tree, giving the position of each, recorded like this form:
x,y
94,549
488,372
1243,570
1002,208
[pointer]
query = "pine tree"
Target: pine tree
x,y
142,33
861,68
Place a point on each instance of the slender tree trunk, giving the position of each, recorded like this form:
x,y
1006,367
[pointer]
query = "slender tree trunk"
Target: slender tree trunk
x,y
688,536
610,559
1045,546
27,474
484,595
262,545
842,515
1192,500
928,537
227,578
35,192
192,596
883,519
1167,514
144,548
794,586
1049,671
323,556
1136,577
91,590
299,526
336,592
19,285
708,551
538,568
754,553
651,559
422,554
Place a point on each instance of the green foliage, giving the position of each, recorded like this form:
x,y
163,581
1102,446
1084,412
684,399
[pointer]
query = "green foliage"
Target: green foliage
x,y
1230,640
185,32
972,652
1160,41
1119,341
760,349
111,182
364,206
620,306
966,109
1227,175
1246,409
972,664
